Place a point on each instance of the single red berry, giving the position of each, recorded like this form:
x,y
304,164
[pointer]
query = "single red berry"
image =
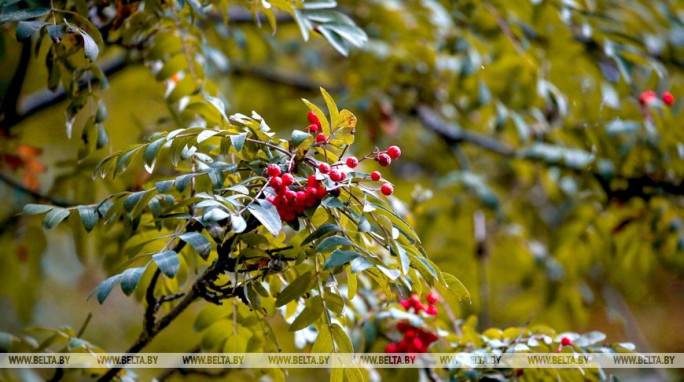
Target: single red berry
x,y
276,182
343,175
321,192
312,181
387,189
647,97
418,344
414,298
352,162
402,346
419,307
288,179
668,98
324,168
335,176
290,195
410,334
432,298
290,216
391,348
301,197
432,310
273,170
313,128
384,160
565,341
320,138
394,152
405,304
313,118
375,176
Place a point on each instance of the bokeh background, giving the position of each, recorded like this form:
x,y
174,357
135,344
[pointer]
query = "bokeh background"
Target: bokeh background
x,y
519,118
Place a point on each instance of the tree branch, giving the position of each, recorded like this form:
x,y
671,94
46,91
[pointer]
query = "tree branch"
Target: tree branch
x,y
197,291
8,109
39,196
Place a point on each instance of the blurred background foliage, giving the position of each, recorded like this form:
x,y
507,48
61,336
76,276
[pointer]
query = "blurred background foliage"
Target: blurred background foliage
x,y
530,169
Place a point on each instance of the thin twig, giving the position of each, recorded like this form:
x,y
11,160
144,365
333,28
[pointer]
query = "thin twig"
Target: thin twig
x,y
20,187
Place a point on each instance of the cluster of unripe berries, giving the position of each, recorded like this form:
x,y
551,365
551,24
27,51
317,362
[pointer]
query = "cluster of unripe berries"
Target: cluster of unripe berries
x,y
649,96
288,201
383,158
416,340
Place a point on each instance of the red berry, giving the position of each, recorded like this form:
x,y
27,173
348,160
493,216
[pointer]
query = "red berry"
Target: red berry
x,y
321,192
565,341
394,152
335,176
405,304
376,175
418,344
276,182
414,298
352,162
320,138
387,189
312,181
343,175
313,118
313,128
419,307
384,159
273,170
290,195
270,199
324,168
432,310
403,326
391,348
432,298
288,179
335,191
410,334
668,98
647,97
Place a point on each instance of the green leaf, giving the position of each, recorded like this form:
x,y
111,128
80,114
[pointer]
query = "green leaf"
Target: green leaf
x,y
298,137
238,141
453,290
89,217
55,216
268,215
332,108
105,287
151,151
130,279
26,29
320,232
340,257
167,262
342,340
237,223
309,315
90,48
164,185
209,315
334,302
200,243
35,209
332,242
324,341
23,14
296,288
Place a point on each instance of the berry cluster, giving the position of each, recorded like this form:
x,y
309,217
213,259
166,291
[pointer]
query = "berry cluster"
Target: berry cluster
x,y
292,199
416,340
649,96
384,158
